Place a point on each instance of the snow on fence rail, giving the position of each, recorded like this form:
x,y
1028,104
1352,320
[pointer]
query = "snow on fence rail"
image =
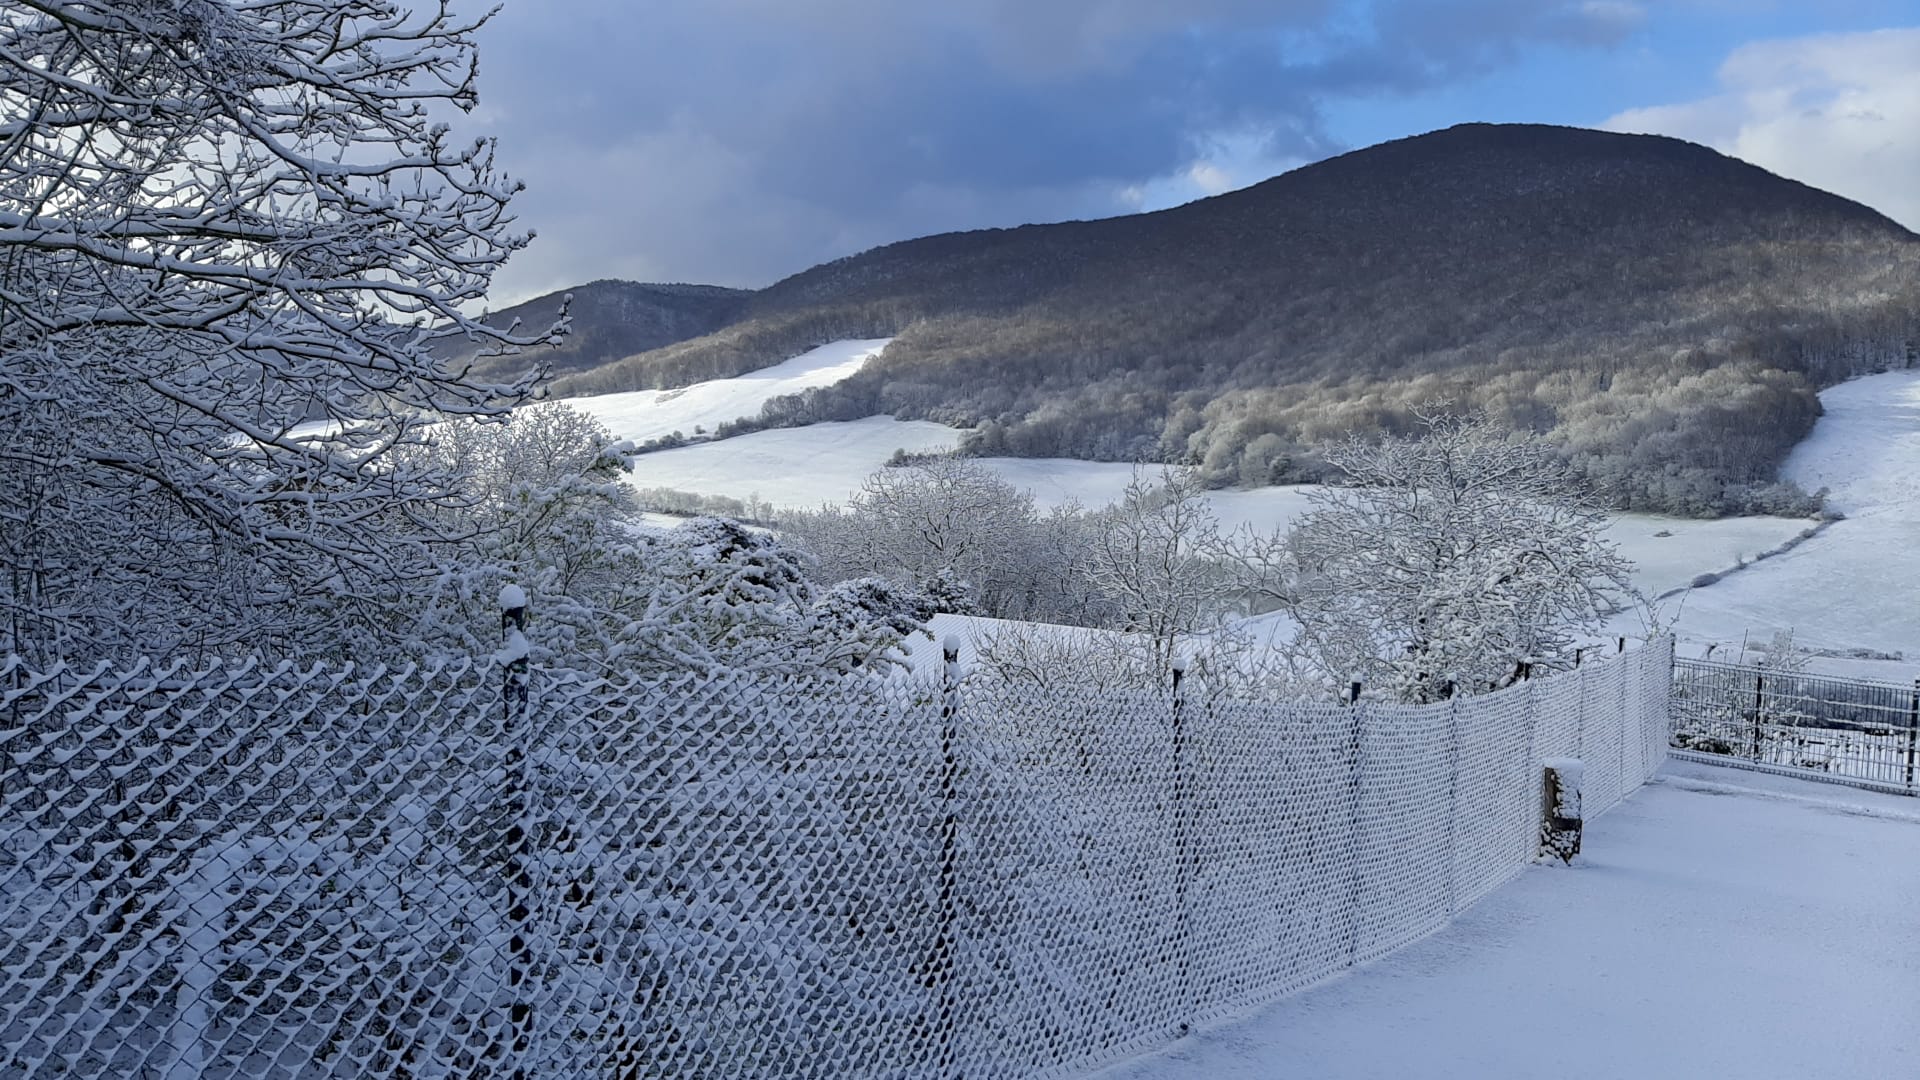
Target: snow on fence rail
x,y
257,871
1861,732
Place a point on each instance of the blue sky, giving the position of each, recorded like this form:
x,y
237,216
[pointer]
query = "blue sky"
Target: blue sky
x,y
1672,56
738,141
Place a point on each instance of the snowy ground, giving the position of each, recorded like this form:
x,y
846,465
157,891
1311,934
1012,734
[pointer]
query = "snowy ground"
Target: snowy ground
x,y
803,467
1719,924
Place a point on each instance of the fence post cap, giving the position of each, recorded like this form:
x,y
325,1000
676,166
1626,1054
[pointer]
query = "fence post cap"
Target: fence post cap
x,y
515,649
512,597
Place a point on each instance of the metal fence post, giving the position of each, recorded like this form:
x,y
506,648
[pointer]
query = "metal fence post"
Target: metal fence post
x,y
1453,799
1913,734
946,943
1182,915
513,725
1355,777
1759,687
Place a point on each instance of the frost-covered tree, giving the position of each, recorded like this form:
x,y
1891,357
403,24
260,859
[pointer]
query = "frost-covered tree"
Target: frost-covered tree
x,y
726,597
943,518
1166,582
234,242
545,506
948,594
1156,557
1449,557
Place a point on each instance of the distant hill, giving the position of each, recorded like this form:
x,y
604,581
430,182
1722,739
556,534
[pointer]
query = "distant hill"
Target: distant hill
x,y
1665,311
616,319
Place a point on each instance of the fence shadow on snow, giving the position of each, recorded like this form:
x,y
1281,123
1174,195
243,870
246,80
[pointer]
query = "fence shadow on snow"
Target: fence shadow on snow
x,y
256,871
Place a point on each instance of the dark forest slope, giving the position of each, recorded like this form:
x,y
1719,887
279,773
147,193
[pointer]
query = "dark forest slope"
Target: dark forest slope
x,y
1666,311
616,319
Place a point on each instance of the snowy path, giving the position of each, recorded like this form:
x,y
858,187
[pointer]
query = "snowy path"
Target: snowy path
x,y
1721,924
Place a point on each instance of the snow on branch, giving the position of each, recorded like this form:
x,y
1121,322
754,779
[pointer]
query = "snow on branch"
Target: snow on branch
x,y
1451,560
225,227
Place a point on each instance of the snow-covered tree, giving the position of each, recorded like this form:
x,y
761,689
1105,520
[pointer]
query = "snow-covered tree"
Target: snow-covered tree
x,y
948,594
1450,557
723,596
1155,556
942,518
1167,582
545,507
235,243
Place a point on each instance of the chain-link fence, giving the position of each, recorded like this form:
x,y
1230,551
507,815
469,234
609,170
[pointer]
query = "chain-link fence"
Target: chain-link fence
x,y
1862,732
336,872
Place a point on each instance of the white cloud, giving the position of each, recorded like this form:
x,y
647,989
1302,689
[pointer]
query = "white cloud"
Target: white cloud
x,y
737,141
1838,111
1222,163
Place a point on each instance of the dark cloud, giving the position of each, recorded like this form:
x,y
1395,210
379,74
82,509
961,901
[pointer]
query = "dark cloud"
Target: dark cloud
x,y
739,140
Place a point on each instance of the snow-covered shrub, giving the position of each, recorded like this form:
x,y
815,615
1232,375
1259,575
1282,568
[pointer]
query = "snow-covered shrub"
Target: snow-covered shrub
x,y
546,508
1782,654
948,594
946,523
1704,742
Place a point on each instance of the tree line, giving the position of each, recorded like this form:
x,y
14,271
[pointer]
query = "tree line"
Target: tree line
x,y
1455,559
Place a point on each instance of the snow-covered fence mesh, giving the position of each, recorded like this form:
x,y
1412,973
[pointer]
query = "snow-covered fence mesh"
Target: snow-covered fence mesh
x,y
1861,732
314,872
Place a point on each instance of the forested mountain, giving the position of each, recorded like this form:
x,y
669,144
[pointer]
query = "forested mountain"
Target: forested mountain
x,y
616,319
1664,311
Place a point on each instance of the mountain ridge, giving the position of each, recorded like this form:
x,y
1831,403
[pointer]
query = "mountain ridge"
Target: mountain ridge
x,y
1665,311
612,319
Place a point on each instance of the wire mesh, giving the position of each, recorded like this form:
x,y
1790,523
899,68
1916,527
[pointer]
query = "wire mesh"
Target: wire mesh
x,y
327,872
1859,731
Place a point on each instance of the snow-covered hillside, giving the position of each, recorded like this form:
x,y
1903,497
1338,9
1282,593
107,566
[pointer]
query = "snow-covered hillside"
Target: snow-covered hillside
x,y
1867,449
793,467
1854,585
649,414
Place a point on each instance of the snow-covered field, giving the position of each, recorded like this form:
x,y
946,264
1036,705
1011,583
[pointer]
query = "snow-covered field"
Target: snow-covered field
x,y
823,463
1716,924
702,407
791,467
1845,588
1854,585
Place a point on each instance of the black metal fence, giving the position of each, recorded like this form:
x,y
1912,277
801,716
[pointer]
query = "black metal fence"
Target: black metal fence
x,y
1863,732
